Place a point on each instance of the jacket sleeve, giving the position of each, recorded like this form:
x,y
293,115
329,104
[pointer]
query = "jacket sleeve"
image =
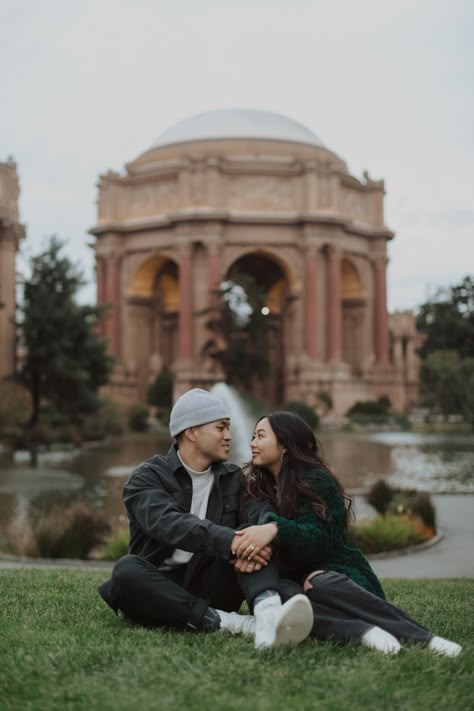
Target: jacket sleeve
x,y
309,538
158,513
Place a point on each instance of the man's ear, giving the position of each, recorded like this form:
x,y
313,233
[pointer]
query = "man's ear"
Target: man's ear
x,y
190,434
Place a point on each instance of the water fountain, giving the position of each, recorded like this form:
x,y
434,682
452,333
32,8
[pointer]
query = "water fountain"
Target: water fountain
x,y
242,421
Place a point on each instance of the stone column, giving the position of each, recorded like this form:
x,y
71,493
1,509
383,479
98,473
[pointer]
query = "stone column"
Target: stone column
x,y
101,276
8,247
398,353
381,342
185,324
213,270
112,294
310,322
334,304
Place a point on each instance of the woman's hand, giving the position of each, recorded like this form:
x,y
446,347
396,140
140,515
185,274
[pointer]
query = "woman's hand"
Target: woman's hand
x,y
242,565
248,543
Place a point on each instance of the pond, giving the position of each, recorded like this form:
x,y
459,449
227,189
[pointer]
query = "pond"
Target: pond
x,y
430,462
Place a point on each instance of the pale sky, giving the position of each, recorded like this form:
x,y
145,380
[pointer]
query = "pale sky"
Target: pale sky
x,y
87,85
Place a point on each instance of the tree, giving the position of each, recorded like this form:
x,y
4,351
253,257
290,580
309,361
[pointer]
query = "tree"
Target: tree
x,y
238,329
65,361
448,383
448,320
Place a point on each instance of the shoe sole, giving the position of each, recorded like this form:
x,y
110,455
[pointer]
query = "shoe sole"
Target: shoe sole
x,y
295,623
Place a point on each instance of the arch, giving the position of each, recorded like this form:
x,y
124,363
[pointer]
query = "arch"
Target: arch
x,y
289,270
354,314
143,281
351,283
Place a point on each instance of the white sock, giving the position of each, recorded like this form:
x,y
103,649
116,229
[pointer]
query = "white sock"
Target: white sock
x,y
377,638
236,624
444,646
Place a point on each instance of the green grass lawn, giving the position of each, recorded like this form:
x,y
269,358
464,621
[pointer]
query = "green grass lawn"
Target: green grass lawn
x,y
62,648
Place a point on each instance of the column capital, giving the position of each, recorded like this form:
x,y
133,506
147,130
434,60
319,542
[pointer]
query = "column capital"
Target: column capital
x,y
334,252
380,261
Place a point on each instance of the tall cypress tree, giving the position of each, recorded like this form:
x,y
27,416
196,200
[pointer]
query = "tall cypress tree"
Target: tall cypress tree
x,y
65,360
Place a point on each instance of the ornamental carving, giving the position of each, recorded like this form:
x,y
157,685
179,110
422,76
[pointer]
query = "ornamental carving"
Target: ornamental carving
x,y
150,199
260,193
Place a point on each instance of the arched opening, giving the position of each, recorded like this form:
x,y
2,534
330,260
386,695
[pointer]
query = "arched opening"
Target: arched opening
x,y
272,282
353,317
153,307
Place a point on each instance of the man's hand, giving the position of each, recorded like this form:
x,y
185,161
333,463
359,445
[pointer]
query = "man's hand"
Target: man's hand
x,y
252,566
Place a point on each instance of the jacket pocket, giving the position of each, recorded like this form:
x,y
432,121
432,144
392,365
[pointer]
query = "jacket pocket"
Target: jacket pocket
x,y
230,510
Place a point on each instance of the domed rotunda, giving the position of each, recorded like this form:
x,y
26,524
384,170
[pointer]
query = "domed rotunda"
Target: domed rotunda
x,y
253,192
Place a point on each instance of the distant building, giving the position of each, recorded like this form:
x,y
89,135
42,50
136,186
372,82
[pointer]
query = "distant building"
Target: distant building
x,y
11,232
251,191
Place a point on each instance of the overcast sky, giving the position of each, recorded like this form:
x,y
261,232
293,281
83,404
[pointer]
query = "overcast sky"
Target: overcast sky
x,y
87,85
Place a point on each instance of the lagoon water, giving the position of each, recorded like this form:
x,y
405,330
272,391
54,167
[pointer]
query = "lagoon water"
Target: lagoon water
x,y
435,463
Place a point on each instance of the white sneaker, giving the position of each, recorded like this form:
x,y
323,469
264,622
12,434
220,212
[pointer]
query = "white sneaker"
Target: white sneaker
x,y
444,646
382,641
282,625
236,624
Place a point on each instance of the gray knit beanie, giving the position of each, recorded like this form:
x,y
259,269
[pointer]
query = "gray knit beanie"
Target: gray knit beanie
x,y
196,407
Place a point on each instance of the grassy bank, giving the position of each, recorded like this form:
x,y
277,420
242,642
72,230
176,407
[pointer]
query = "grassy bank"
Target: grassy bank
x,y
62,648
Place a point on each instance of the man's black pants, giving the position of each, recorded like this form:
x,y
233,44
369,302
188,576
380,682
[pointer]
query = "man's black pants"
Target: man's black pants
x,y
153,597
343,610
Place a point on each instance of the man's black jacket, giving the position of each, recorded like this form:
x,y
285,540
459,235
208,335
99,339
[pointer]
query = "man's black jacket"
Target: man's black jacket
x,y
158,498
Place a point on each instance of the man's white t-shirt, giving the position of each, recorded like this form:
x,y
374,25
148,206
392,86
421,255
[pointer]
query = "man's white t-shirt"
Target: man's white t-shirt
x,y
202,485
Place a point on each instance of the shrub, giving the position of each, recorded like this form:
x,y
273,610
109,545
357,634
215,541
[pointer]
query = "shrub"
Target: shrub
x,y
15,405
115,546
108,420
69,532
305,412
414,503
378,408
138,418
380,496
387,533
160,392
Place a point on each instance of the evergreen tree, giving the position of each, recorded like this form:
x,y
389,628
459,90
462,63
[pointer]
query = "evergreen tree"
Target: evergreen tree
x,y
65,360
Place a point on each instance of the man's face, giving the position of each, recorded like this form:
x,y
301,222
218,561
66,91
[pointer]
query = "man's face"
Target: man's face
x,y
213,439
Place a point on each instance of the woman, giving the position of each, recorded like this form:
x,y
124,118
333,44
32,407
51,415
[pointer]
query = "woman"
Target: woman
x,y
306,518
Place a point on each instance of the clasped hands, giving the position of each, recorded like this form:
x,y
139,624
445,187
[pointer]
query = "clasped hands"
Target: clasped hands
x,y
251,547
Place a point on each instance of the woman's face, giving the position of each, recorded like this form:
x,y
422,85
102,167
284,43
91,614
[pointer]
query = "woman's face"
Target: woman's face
x,y
266,450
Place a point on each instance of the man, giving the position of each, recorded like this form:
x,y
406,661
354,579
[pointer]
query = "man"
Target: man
x,y
183,510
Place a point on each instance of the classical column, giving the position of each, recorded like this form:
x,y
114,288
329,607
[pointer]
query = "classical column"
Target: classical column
x,y
334,304
185,324
8,248
100,273
381,344
113,300
310,324
213,270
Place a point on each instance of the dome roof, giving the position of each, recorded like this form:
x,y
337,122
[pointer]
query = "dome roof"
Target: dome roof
x,y
237,123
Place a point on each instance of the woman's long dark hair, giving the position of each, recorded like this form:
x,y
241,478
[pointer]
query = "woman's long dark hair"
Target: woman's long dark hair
x,y
303,452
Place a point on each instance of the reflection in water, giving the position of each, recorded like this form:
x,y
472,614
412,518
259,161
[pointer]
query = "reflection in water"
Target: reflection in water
x,y
430,462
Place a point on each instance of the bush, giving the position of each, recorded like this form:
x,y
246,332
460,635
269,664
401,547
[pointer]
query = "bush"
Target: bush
x,y
386,499
305,412
160,392
414,503
380,496
69,532
377,408
115,546
138,418
388,533
108,420
15,405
